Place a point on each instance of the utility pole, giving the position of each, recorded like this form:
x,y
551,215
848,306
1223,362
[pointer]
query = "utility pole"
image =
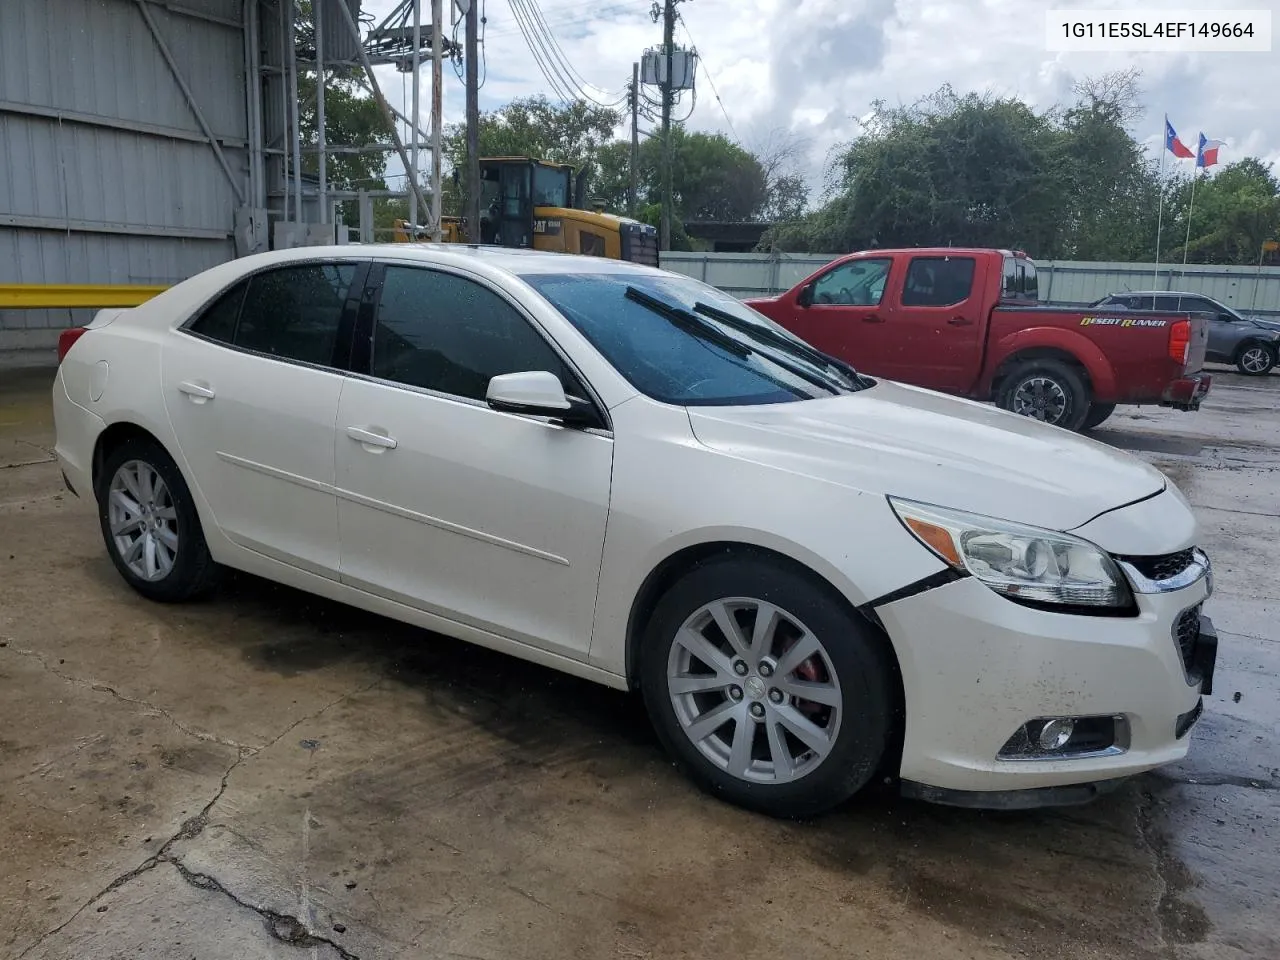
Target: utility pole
x,y
668,43
437,116
472,212
413,153
635,137
321,139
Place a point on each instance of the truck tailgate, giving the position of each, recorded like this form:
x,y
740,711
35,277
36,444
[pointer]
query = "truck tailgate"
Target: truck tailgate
x,y
1199,342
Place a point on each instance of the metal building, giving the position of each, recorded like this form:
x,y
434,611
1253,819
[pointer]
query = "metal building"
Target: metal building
x,y
142,141
124,146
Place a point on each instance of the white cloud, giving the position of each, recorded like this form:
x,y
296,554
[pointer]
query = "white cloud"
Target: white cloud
x,y
813,67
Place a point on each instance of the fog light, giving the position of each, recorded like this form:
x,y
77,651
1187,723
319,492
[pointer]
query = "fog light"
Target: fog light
x,y
1055,734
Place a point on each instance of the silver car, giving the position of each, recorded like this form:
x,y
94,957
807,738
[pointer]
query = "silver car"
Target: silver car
x,y
1251,343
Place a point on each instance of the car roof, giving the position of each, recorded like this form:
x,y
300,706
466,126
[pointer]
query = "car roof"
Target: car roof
x,y
499,259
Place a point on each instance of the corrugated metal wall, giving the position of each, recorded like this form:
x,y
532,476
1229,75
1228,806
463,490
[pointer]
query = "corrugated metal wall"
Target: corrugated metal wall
x,y
106,175
1249,289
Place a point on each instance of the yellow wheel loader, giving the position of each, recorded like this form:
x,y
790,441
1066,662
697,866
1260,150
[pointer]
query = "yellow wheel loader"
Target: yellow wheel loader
x,y
534,203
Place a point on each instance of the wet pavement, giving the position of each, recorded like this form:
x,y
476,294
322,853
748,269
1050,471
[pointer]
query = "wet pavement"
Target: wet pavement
x,y
265,774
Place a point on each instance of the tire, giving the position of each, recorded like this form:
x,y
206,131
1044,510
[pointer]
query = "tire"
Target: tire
x,y
1255,359
179,558
851,668
1098,412
1046,390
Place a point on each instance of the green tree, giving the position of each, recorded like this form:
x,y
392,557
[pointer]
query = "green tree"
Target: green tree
x,y
1235,212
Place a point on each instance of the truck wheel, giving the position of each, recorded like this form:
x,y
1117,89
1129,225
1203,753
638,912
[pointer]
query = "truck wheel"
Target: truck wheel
x,y
1255,360
765,690
1046,390
1097,413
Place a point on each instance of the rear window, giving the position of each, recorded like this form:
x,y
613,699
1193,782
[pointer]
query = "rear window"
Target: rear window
x,y
1020,280
938,281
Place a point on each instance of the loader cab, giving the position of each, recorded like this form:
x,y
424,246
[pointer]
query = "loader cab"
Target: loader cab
x,y
511,189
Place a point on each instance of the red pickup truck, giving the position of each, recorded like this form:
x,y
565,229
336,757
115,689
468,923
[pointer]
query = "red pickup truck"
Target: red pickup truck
x,y
968,322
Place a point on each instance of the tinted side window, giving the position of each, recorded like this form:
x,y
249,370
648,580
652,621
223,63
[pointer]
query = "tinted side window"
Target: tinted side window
x,y
1029,282
859,283
218,322
938,281
294,312
1010,277
1173,304
449,334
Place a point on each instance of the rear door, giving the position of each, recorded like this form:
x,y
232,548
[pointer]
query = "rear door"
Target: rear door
x,y
937,324
251,386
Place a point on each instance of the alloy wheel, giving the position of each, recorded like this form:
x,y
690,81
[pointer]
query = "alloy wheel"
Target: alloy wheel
x,y
1041,398
754,690
143,520
1255,360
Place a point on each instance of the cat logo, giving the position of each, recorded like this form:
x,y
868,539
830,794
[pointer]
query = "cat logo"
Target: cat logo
x,y
548,228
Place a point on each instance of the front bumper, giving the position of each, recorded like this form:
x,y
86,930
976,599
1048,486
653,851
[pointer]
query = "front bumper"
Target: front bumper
x,y
977,667
1188,392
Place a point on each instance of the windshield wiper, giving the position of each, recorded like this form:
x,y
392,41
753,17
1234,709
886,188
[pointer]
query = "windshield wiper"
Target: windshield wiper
x,y
690,323
784,343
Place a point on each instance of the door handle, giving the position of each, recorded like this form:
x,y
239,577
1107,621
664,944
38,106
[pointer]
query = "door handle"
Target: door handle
x,y
872,318
197,390
959,321
371,438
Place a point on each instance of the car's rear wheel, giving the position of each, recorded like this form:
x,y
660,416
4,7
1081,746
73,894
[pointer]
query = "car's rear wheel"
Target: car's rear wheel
x,y
767,690
1046,390
150,525
1098,412
1255,360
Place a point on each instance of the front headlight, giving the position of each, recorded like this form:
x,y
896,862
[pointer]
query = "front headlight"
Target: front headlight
x,y
1020,562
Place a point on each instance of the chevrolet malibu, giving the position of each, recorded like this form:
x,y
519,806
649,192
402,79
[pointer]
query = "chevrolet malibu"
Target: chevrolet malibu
x,y
814,578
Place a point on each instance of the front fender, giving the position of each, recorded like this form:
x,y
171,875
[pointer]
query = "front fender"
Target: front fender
x,y
1085,351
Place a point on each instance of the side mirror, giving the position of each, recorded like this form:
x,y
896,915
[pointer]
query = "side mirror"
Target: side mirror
x,y
538,393
805,297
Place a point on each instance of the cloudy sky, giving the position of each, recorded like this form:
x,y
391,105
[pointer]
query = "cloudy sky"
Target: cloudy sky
x,y
807,69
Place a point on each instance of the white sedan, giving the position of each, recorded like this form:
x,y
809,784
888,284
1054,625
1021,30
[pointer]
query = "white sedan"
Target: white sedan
x,y
814,578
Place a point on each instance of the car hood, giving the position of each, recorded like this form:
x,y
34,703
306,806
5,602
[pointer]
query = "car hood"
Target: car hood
x,y
1272,325
915,443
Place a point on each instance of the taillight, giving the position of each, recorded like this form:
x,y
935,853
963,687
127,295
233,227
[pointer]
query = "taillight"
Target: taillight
x,y
67,339
1180,341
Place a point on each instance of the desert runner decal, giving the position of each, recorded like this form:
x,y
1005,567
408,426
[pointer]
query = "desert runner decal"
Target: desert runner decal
x,y
1121,322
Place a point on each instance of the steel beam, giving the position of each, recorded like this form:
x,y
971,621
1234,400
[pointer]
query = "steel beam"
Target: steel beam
x,y
73,296
64,225
191,100
115,123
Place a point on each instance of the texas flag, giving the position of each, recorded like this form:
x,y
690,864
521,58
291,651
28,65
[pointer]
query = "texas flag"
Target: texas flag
x,y
1173,144
1207,155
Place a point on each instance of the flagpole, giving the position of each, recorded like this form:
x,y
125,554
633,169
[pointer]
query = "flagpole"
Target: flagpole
x,y
1191,209
1155,281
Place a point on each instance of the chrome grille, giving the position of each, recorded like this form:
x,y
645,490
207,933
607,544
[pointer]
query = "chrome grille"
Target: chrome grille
x,y
1164,566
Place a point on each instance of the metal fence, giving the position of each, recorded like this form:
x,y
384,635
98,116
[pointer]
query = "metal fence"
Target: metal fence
x,y
1252,290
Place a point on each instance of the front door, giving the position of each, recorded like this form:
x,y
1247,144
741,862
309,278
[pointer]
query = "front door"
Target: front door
x,y
490,519
847,314
251,390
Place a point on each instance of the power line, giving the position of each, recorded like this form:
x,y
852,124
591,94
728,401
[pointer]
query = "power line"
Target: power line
x,y
566,21
553,62
707,71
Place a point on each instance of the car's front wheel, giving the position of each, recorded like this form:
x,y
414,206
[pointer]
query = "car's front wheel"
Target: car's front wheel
x,y
766,688
1255,360
150,525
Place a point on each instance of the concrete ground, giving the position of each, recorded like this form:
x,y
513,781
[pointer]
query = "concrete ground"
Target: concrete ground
x,y
268,775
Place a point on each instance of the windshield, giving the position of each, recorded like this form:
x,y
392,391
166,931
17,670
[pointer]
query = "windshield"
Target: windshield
x,y
550,186
683,342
